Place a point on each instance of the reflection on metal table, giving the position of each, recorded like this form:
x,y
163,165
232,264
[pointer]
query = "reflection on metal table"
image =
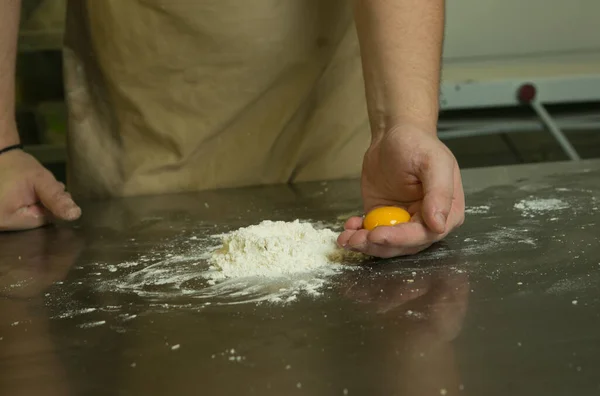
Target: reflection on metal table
x,y
115,305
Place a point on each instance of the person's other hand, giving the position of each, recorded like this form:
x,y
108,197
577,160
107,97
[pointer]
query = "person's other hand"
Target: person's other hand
x,y
412,169
30,196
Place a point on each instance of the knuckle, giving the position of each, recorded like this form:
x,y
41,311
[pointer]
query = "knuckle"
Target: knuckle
x,y
376,239
424,161
43,176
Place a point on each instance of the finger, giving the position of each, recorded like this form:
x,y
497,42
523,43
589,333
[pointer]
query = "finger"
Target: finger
x,y
361,241
344,238
437,176
407,235
458,203
27,218
385,251
358,240
353,223
53,196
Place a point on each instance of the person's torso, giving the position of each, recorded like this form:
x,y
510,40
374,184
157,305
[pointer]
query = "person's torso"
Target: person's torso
x,y
186,95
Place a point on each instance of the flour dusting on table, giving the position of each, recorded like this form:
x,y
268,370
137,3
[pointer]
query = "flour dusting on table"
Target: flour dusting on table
x,y
533,206
273,261
482,209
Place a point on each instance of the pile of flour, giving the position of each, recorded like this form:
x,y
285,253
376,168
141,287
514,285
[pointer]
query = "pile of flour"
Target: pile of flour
x,y
274,249
274,262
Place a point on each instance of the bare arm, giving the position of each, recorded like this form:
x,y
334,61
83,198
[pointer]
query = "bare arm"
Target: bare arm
x,y
401,45
9,26
406,164
28,192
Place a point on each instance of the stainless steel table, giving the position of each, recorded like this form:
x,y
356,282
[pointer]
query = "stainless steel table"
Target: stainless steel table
x,y
508,305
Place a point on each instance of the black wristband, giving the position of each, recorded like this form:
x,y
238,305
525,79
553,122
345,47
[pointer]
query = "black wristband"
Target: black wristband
x,y
11,148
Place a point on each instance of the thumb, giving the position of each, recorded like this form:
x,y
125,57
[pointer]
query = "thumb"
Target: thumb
x,y
52,196
437,177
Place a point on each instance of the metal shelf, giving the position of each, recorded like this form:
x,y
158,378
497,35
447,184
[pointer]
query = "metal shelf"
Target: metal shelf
x,y
530,83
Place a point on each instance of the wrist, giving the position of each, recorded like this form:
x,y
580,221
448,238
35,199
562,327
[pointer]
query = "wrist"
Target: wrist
x,y
382,124
8,149
8,134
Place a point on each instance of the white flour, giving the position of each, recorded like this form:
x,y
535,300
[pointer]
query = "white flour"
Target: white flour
x,y
269,262
483,209
275,249
493,241
532,207
89,325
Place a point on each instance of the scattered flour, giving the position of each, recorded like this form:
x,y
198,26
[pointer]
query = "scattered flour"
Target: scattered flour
x,y
274,262
531,207
490,242
483,209
274,249
89,325
72,314
230,355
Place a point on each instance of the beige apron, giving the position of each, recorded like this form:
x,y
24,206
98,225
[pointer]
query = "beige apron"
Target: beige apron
x,y
184,95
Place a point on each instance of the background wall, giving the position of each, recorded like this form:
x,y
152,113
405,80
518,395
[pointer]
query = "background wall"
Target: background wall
x,y
484,29
496,39
485,39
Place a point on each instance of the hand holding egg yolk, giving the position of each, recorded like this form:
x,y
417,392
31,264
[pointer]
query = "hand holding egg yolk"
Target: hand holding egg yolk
x,y
385,216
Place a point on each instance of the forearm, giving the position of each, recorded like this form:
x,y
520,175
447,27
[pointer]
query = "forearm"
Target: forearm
x,y
9,26
401,46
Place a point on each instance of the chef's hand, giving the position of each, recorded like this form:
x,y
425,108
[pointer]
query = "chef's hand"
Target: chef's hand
x,y
412,169
30,196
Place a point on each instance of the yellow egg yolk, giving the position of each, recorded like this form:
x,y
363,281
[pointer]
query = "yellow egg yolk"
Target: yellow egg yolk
x,y
385,216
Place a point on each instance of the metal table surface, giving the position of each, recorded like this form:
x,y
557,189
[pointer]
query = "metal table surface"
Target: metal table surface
x,y
509,304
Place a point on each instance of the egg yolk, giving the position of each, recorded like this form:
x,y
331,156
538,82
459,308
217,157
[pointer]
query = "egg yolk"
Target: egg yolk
x,y
385,216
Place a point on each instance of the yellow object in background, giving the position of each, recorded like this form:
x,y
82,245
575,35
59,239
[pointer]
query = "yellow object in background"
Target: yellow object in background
x,y
385,216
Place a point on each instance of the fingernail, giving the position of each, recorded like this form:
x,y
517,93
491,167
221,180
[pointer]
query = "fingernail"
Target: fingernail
x,y
73,212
